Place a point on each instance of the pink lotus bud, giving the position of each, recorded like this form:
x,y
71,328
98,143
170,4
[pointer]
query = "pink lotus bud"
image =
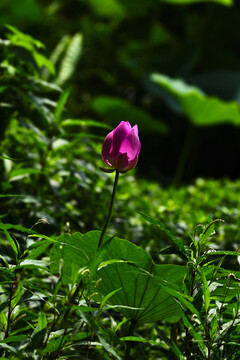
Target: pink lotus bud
x,y
121,148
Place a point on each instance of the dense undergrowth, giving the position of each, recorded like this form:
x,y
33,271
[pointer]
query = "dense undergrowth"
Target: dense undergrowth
x,y
171,290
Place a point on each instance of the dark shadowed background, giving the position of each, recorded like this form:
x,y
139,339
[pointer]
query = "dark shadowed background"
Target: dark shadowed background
x,y
115,47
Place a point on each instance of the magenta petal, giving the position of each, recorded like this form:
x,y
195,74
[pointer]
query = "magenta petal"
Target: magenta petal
x,y
121,148
130,166
121,162
107,149
135,128
130,145
119,134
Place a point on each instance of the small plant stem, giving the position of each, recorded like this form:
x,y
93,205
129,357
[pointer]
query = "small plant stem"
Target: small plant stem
x,y
129,343
188,335
110,209
65,316
72,299
56,353
208,338
9,308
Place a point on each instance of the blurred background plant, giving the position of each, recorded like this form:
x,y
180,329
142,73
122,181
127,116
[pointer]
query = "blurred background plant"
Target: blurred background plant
x,y
109,53
70,72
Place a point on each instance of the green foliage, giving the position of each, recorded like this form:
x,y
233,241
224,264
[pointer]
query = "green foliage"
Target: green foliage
x,y
172,289
28,11
24,93
182,2
65,58
139,284
201,110
121,277
114,110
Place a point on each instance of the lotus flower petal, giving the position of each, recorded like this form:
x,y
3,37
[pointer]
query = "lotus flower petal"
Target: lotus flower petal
x,y
121,147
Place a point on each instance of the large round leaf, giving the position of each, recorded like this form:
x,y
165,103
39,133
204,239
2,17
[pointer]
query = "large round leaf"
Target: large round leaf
x,y
201,110
142,286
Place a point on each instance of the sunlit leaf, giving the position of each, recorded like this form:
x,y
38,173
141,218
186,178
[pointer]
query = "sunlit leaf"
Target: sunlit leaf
x,y
70,59
138,281
42,321
185,2
200,109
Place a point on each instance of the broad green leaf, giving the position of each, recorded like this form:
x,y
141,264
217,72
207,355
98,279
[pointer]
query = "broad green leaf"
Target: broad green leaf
x,y
107,7
125,267
183,300
142,290
68,256
116,109
201,110
185,2
120,8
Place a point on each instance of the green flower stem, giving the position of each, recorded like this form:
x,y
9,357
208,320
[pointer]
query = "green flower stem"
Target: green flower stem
x,y
129,343
110,209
